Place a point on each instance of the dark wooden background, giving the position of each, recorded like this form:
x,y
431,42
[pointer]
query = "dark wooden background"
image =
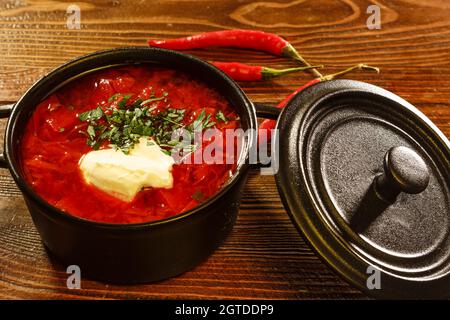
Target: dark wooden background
x,y
264,257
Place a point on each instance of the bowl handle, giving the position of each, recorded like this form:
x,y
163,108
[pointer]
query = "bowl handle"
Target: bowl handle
x,y
3,163
5,111
266,111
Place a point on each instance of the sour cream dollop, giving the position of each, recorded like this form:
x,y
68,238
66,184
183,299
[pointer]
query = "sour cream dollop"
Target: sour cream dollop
x,y
124,175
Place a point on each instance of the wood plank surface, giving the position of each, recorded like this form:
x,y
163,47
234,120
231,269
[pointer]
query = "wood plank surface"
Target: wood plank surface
x,y
264,257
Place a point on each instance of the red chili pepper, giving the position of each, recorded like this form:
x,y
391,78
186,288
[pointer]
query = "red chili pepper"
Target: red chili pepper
x,y
237,38
268,125
244,72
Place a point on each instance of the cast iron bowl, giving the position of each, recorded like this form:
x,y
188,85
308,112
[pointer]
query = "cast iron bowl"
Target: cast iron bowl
x,y
132,253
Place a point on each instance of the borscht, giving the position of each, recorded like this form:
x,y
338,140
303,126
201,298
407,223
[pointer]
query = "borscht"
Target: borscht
x,y
102,147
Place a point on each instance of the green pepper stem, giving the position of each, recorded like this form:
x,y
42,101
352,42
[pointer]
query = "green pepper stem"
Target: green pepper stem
x,y
269,73
290,51
360,66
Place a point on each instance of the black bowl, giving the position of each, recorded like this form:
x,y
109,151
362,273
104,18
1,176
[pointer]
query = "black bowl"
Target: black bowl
x,y
132,253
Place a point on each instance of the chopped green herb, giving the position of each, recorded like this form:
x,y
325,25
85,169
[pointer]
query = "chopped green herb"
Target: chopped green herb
x,y
91,132
61,129
143,103
220,116
91,115
113,97
198,195
167,152
124,123
123,102
202,121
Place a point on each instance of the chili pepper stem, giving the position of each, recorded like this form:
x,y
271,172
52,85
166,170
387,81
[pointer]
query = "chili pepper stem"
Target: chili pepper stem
x,y
290,51
269,73
360,66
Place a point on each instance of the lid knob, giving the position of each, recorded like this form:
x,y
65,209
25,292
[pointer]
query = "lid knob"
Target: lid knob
x,y
404,170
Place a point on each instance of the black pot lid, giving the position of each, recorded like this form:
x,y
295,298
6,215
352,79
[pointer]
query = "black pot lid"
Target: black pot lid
x,y
365,177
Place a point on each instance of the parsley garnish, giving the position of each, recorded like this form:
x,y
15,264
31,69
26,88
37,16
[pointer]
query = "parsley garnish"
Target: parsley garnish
x,y
198,195
91,115
125,122
203,121
165,94
221,117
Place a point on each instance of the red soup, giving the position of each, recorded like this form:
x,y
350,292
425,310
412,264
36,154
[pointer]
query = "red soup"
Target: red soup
x,y
112,108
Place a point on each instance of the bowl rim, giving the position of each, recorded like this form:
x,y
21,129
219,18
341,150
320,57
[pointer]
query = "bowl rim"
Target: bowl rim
x,y
57,213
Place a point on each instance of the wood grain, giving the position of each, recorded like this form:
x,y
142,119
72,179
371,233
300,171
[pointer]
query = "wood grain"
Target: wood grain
x,y
264,257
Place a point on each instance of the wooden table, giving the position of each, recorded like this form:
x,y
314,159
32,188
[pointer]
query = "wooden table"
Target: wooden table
x,y
264,257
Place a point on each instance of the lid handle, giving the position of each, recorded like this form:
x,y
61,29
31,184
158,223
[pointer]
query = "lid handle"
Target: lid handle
x,y
404,171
